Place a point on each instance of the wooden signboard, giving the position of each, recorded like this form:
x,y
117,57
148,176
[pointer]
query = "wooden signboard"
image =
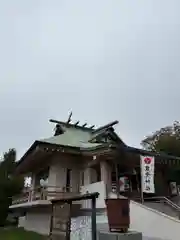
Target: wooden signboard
x,y
61,221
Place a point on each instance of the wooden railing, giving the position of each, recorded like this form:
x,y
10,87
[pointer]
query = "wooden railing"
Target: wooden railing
x,y
43,193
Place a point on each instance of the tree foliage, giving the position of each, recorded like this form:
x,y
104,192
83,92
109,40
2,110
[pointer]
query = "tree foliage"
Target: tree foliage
x,y
165,140
10,185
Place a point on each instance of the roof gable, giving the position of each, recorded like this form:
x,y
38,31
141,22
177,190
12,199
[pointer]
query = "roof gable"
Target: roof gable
x,y
80,137
74,136
71,137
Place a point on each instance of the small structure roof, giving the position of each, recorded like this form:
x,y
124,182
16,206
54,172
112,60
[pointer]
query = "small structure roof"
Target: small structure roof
x,y
149,153
76,198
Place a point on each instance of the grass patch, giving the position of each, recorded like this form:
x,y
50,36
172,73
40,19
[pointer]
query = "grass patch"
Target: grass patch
x,y
19,234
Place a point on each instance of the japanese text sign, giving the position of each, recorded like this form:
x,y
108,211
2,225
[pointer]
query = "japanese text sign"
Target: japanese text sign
x,y
147,174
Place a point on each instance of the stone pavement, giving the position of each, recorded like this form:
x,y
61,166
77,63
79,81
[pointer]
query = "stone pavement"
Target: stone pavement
x,y
104,226
151,238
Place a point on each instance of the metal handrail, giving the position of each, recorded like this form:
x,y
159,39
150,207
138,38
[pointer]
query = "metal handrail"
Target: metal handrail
x,y
165,200
174,205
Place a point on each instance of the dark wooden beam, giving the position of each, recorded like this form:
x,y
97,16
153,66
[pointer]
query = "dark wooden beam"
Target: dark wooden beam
x,y
69,118
96,136
69,124
55,121
84,125
106,126
76,123
78,197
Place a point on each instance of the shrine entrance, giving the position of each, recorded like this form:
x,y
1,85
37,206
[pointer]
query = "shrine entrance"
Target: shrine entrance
x,y
128,160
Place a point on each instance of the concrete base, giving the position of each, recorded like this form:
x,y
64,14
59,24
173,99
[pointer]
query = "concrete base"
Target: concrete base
x,y
105,235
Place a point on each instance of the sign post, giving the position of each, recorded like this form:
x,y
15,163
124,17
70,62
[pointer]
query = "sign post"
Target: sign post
x,y
147,175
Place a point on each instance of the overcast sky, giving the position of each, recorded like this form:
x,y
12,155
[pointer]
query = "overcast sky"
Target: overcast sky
x,y
102,59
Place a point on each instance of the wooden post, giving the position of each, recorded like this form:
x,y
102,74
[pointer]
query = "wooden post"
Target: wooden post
x,y
117,181
68,224
93,218
142,196
138,184
51,222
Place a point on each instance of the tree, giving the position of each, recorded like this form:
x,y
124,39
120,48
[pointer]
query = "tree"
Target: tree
x,y
166,140
10,185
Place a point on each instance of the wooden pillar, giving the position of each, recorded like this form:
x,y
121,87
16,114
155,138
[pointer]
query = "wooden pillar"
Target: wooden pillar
x,y
117,181
165,172
75,180
33,187
57,177
106,173
87,176
93,175
93,219
160,188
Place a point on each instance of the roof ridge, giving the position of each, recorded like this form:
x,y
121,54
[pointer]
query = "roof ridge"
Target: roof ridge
x,y
75,125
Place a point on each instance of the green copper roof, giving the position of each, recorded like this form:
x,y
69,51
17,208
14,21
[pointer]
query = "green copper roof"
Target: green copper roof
x,y
80,137
73,137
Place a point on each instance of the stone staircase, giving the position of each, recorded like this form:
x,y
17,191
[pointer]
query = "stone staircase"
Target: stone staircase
x,y
153,223
162,207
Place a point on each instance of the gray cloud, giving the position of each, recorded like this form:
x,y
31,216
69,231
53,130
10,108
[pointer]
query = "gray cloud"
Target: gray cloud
x,y
105,60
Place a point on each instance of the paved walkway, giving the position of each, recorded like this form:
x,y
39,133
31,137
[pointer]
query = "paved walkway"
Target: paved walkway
x,y
104,226
151,238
